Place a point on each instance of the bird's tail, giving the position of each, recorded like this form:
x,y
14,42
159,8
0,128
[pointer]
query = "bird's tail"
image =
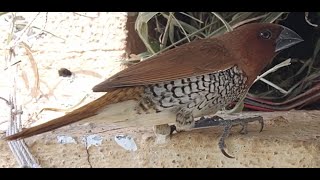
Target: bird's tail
x,y
86,111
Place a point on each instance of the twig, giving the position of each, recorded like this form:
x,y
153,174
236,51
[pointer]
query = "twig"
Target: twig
x,y
84,15
24,30
276,67
49,33
273,85
41,29
272,17
307,20
18,147
7,102
165,33
226,24
36,87
185,33
248,20
273,69
181,40
198,20
19,61
63,110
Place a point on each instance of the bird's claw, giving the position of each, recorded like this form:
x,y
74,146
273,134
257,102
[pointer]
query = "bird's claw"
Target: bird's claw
x,y
225,134
228,124
261,123
226,154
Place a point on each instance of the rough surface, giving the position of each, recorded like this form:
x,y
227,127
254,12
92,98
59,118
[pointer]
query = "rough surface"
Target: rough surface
x,y
90,45
290,139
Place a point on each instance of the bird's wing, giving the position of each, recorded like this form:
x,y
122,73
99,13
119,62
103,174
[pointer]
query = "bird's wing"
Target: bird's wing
x,y
195,58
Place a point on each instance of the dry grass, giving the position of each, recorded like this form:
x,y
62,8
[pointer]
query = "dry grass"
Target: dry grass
x,y
161,31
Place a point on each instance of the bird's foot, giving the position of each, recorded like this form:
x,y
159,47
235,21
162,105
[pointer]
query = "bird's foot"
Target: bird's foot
x,y
228,124
208,122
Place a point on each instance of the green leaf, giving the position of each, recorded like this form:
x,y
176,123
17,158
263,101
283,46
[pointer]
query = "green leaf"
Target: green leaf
x,y
141,27
167,32
171,31
191,17
271,17
236,20
226,24
188,28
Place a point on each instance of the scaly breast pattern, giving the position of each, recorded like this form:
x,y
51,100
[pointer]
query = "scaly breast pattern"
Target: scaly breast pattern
x,y
201,94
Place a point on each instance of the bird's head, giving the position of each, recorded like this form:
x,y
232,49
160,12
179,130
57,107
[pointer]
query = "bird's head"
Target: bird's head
x,y
256,44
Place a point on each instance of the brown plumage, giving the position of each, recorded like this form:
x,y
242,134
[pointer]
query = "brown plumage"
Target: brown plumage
x,y
189,81
201,57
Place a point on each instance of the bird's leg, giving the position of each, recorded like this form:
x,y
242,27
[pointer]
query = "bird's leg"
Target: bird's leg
x,y
228,124
218,121
184,120
225,134
208,122
244,129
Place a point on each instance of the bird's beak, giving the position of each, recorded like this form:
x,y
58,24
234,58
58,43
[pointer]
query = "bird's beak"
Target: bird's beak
x,y
286,39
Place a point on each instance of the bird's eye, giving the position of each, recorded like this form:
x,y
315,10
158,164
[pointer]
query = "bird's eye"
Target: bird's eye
x,y
265,34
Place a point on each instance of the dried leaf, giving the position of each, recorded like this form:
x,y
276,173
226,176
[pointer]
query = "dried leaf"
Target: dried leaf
x,y
36,87
88,72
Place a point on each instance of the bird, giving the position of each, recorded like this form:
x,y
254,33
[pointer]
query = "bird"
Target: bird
x,y
193,80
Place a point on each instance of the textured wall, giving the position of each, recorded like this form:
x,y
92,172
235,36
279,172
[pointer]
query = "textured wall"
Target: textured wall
x,y
92,49
290,139
91,45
